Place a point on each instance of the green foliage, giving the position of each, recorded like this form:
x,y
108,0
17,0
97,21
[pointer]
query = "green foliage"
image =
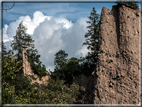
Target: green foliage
x,y
17,89
73,66
7,93
55,93
21,38
65,68
13,85
9,70
131,3
59,93
70,69
92,36
61,89
31,76
60,59
93,32
23,84
88,64
39,69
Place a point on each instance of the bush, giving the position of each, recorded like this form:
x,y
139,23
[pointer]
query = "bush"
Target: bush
x,y
60,93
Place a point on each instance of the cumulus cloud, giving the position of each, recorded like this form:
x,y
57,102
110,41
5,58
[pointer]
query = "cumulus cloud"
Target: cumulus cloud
x,y
5,37
38,17
52,34
67,24
31,24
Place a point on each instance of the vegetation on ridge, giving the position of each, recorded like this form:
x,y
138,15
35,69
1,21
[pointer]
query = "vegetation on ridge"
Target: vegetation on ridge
x,y
134,3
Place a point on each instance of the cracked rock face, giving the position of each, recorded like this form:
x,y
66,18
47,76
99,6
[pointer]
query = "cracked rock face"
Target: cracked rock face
x,y
118,57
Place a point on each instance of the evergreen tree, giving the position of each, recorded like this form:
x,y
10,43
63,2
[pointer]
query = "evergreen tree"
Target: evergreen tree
x,y
92,35
22,38
60,59
65,68
59,62
87,64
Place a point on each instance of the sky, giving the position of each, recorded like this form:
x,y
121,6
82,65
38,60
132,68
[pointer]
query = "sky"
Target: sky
x,y
53,26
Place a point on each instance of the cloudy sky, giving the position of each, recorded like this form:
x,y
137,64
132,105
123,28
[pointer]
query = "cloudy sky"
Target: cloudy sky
x,y
53,26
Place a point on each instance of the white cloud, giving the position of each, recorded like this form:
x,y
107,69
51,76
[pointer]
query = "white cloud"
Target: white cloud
x,y
51,35
31,24
51,68
5,37
82,52
38,18
67,24
10,30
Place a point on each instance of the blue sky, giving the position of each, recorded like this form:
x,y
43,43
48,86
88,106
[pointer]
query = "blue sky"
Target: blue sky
x,y
53,26
71,11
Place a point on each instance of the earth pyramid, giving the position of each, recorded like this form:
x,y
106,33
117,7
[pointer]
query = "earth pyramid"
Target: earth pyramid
x,y
26,69
118,65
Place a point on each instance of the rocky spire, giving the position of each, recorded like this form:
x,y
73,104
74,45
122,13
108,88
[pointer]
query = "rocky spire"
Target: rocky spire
x,y
118,57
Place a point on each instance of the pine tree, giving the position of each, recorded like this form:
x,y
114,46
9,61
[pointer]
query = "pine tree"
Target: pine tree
x,y
60,59
92,35
22,38
65,68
